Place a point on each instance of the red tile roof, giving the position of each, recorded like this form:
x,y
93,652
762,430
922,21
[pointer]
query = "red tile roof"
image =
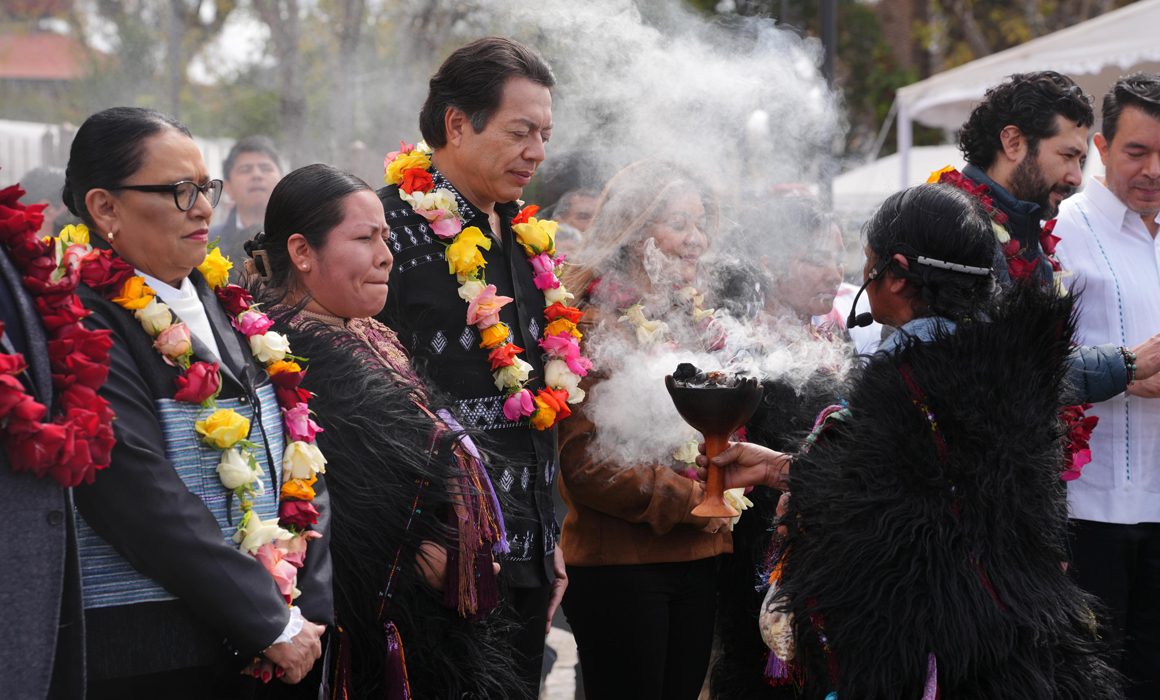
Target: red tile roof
x,y
41,56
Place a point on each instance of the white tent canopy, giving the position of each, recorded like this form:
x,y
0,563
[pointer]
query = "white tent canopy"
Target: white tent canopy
x,y
1094,53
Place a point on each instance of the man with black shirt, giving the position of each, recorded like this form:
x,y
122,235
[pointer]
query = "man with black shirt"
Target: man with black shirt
x,y
487,118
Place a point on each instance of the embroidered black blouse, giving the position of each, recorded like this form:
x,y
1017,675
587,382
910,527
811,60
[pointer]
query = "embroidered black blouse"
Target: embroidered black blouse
x,y
425,309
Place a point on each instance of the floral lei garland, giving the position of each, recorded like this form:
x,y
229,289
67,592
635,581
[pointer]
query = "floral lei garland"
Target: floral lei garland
x,y
1018,267
281,546
78,440
1079,426
564,366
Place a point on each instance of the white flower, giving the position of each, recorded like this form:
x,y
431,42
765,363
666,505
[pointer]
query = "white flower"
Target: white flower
x,y
422,147
687,452
558,294
1001,234
155,317
558,376
470,289
269,347
253,533
736,498
235,470
513,375
302,460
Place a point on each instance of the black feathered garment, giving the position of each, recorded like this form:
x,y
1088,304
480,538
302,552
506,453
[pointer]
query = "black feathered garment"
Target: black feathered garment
x,y
783,418
377,445
897,551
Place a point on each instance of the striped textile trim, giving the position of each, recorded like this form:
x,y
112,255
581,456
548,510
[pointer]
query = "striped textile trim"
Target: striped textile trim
x,y
108,579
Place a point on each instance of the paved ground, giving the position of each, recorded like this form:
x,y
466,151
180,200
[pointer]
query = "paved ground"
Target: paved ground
x,y
561,682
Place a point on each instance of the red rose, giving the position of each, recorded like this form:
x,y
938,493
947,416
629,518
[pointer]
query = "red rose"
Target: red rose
x,y
289,397
94,345
287,380
416,179
1020,269
12,392
1048,240
79,369
26,249
198,383
558,310
105,273
525,214
62,313
234,299
10,195
25,413
36,448
12,364
502,356
299,514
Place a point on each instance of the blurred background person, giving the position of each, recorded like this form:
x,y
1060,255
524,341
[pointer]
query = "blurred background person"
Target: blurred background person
x,y
42,186
250,171
642,569
175,607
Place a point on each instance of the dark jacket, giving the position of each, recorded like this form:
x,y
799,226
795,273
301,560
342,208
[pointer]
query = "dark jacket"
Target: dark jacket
x,y
227,607
425,309
1095,372
40,589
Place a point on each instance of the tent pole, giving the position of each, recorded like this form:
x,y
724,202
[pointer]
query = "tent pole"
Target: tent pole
x,y
905,140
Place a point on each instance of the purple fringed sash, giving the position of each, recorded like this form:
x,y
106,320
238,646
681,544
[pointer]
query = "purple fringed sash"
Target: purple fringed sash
x,y
501,546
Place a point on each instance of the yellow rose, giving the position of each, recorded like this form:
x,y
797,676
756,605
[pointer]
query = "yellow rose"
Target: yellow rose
x,y
463,256
223,428
537,236
937,175
494,336
404,162
562,325
283,366
74,235
299,489
544,417
216,268
135,294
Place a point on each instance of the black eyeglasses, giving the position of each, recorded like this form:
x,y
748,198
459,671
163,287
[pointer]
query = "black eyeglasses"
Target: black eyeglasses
x,y
184,192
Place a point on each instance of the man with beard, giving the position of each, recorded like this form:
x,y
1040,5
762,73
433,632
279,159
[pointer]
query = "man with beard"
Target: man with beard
x,y
1025,144
1109,241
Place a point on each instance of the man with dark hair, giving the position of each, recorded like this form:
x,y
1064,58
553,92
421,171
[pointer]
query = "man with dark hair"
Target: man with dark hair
x,y
1108,240
1025,146
576,208
250,171
1027,142
487,119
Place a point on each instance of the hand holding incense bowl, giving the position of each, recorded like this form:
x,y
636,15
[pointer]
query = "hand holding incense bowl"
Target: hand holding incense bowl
x,y
716,404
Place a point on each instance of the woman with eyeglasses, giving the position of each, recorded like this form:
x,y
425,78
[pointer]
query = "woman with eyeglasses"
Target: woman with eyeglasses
x,y
919,555
203,545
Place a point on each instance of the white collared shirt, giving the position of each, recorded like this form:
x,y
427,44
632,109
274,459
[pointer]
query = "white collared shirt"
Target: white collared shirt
x,y
186,304
1115,266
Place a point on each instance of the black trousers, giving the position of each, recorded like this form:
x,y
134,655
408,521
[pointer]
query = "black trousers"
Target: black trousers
x,y
644,631
528,608
1120,565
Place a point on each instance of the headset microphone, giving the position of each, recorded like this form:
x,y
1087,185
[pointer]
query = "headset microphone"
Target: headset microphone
x,y
861,320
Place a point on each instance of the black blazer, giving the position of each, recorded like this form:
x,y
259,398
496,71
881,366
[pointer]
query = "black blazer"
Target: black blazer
x,y
40,589
227,606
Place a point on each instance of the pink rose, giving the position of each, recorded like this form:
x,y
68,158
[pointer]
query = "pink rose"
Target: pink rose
x,y
284,572
519,405
443,223
544,269
565,347
199,383
299,424
294,549
251,323
483,311
174,342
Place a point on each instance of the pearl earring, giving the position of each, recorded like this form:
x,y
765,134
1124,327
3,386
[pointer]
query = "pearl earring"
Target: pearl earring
x,y
112,234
